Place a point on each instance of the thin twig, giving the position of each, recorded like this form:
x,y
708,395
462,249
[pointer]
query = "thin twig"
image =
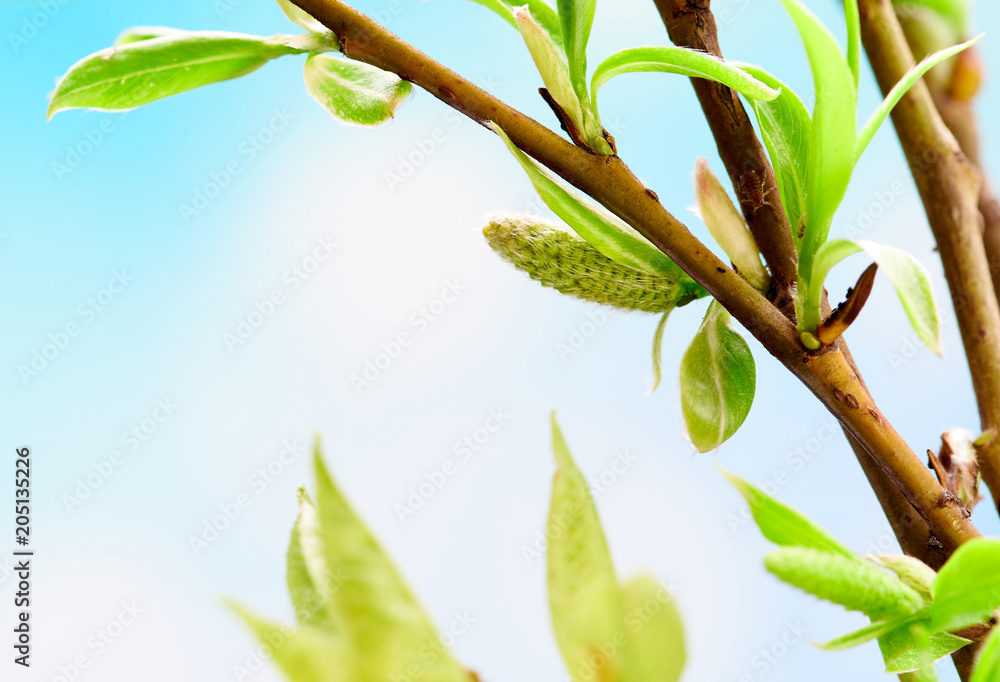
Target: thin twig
x,y
690,23
950,188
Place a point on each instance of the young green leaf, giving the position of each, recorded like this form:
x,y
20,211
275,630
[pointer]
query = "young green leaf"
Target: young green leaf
x,y
718,379
988,665
908,277
655,647
679,60
786,129
143,71
382,622
576,18
306,653
300,17
853,39
310,584
354,92
901,88
967,588
540,10
907,648
140,33
658,350
912,571
855,585
865,634
560,259
604,230
783,525
834,126
584,597
551,64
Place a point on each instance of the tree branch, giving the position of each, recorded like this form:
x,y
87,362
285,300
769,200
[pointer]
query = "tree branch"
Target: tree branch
x,y
609,181
950,188
691,24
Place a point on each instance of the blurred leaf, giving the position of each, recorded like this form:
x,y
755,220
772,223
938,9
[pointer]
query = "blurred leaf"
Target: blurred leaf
x,y
354,92
908,277
584,596
305,654
912,571
301,18
140,33
834,125
988,666
718,378
967,588
786,130
782,525
855,585
577,18
667,59
382,622
865,634
604,230
655,647
955,11
901,88
309,583
140,72
908,647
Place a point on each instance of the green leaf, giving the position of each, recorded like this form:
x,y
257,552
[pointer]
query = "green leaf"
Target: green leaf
x,y
354,92
855,585
853,39
988,666
540,10
584,596
908,277
786,129
604,230
140,33
783,525
551,65
718,379
309,581
955,11
382,622
305,654
859,637
682,61
655,647
301,18
137,73
834,125
576,18
906,648
912,571
967,588
901,88
658,350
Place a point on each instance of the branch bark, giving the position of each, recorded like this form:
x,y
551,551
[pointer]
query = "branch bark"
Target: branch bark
x,y
950,188
691,24
608,180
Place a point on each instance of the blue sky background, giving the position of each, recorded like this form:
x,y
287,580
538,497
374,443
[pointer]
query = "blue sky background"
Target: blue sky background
x,y
496,346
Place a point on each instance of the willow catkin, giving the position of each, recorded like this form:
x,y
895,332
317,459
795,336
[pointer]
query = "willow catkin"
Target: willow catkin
x,y
565,262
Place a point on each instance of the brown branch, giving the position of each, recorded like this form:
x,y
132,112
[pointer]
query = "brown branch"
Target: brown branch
x,y
950,188
690,23
609,181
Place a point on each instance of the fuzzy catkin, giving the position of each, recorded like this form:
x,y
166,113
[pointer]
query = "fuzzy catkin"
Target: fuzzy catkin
x,y
570,265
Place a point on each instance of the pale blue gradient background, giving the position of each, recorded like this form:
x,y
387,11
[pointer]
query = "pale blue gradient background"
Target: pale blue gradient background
x,y
671,514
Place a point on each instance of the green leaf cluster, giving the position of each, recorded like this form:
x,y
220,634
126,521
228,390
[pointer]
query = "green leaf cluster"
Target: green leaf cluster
x,y
914,611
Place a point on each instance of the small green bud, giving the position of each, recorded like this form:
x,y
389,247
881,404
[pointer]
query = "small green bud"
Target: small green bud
x,y
912,571
568,264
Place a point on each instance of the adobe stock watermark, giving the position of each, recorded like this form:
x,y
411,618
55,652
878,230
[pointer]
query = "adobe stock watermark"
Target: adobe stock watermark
x,y
767,657
599,484
131,440
99,642
796,460
246,153
257,483
293,278
420,320
464,449
580,334
31,25
868,215
86,312
91,139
